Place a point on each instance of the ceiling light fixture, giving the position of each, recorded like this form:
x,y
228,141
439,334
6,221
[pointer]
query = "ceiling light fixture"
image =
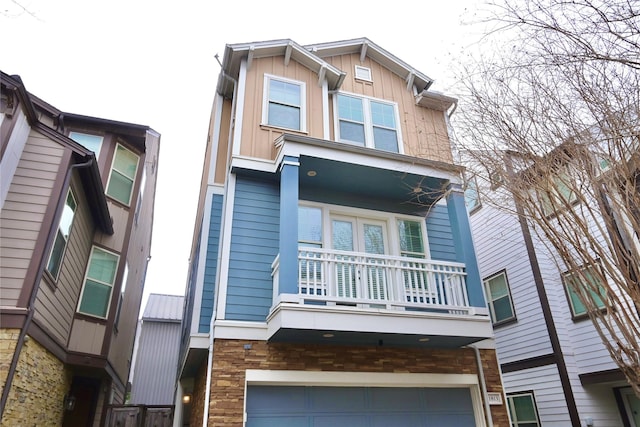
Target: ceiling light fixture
x,y
312,173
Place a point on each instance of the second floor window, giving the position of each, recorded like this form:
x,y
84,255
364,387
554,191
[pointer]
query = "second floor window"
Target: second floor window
x,y
284,103
367,122
123,174
581,286
499,298
62,236
98,283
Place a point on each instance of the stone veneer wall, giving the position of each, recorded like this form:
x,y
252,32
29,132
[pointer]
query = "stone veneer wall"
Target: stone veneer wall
x,y
231,360
38,388
8,340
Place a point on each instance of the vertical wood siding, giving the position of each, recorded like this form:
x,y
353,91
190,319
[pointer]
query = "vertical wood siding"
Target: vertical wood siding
x,y
424,131
55,307
211,264
23,212
254,246
223,147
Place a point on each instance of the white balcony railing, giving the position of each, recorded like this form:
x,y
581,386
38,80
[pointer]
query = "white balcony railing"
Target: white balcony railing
x,y
378,281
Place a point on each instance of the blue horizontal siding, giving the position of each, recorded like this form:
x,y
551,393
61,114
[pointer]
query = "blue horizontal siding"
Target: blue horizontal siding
x,y
440,236
254,246
211,264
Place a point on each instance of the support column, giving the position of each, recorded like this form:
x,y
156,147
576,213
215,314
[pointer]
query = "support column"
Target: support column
x,y
289,195
463,243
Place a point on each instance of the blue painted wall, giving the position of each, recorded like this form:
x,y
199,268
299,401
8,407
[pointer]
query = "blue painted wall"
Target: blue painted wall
x,y
211,264
440,235
254,246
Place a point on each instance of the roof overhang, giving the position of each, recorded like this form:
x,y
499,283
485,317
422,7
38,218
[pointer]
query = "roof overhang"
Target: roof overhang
x,y
366,47
435,100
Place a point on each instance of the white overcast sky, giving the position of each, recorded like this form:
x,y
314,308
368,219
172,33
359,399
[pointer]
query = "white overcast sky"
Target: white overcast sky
x,y
151,62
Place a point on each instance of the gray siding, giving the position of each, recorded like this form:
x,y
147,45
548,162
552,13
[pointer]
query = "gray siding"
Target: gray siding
x,y
254,246
23,212
211,264
156,363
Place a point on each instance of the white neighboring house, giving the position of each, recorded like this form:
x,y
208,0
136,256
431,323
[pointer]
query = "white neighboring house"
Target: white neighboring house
x,y
551,357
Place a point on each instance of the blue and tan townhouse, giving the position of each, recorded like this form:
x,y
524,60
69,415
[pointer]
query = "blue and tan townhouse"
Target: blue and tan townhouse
x,y
333,279
76,197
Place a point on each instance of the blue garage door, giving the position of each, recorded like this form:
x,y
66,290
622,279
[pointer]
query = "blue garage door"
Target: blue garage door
x,y
269,406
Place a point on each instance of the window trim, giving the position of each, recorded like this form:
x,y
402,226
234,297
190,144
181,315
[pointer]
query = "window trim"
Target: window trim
x,y
66,242
358,76
112,168
510,396
503,322
567,292
265,102
84,283
369,141
97,153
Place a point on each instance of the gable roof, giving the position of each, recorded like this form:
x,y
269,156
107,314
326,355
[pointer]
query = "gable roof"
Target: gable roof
x,y
163,308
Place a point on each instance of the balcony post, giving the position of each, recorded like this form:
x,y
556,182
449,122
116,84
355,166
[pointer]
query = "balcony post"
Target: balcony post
x,y
463,242
289,195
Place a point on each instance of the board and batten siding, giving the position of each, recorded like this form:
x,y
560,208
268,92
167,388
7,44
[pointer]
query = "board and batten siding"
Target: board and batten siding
x,y
24,210
257,141
424,131
211,264
500,246
254,247
56,302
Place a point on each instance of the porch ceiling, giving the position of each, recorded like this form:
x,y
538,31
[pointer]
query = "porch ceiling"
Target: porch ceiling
x,y
361,184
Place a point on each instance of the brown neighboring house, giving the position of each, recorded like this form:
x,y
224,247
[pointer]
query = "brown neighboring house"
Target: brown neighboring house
x,y
76,198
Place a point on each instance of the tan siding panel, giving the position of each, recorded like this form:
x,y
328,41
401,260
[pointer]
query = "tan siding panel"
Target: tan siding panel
x,y
223,144
86,337
22,215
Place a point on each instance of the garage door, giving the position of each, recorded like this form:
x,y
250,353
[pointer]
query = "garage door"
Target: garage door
x,y
269,406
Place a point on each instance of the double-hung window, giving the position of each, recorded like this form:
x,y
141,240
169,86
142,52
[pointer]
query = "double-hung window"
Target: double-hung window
x,y
98,283
123,175
584,285
62,236
368,122
499,298
92,142
559,192
523,411
284,103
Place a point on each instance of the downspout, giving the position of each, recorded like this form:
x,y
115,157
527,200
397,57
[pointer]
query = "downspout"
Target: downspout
x,y
34,293
483,386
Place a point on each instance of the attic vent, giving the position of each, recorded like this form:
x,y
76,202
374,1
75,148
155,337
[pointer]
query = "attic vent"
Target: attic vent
x,y
363,73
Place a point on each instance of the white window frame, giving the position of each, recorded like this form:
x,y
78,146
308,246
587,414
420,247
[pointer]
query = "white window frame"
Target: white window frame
x,y
368,122
487,290
392,248
135,174
302,106
84,283
512,410
360,70
66,240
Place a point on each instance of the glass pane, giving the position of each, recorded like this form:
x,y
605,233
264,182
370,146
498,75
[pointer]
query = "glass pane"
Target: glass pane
x,y
126,162
95,298
342,235
352,132
385,139
471,196
524,408
410,233
120,187
92,142
350,108
498,287
284,93
373,239
502,309
576,303
102,266
67,216
55,260
383,115
284,116
309,224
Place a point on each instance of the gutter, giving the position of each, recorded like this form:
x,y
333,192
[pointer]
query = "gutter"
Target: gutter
x,y
34,291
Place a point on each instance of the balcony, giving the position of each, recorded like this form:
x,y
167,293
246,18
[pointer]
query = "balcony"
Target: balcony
x,y
361,296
